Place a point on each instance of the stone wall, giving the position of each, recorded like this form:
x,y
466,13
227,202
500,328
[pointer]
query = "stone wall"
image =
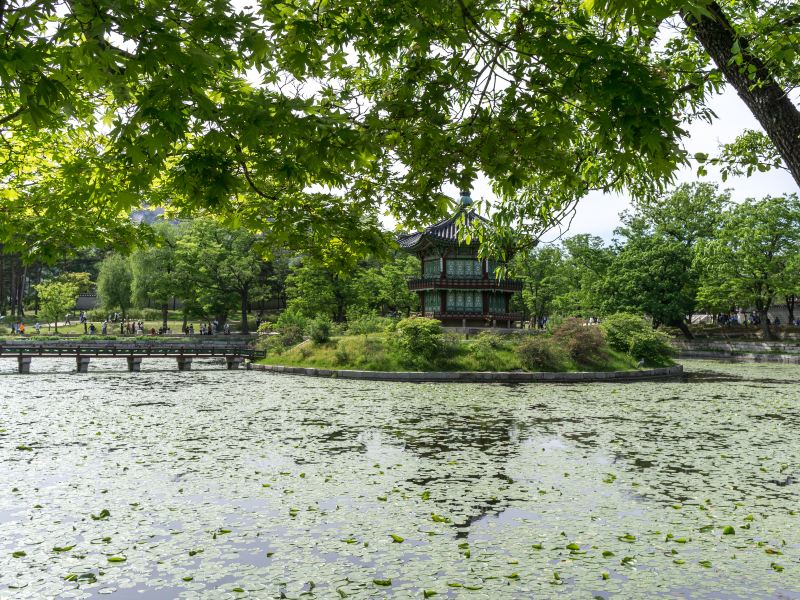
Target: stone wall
x,y
476,376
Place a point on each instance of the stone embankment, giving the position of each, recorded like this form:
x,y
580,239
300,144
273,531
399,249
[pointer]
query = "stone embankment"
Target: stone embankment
x,y
478,377
740,351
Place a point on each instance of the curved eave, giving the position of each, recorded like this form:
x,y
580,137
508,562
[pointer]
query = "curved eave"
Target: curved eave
x,y
417,242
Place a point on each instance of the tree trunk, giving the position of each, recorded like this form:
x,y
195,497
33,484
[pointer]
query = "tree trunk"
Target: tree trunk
x,y
790,302
2,282
21,292
764,316
768,102
245,328
164,314
681,324
12,291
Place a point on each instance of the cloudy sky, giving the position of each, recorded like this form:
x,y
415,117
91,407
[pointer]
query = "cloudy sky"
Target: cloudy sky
x,y
598,213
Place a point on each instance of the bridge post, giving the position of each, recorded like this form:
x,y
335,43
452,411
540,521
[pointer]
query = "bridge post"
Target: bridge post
x,y
134,363
82,363
233,362
184,363
24,364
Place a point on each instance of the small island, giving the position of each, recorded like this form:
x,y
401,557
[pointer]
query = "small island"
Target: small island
x,y
466,325
622,344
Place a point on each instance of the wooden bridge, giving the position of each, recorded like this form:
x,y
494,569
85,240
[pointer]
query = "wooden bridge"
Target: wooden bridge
x,y
134,353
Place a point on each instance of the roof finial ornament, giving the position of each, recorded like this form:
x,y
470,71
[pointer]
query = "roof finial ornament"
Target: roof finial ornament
x,y
465,200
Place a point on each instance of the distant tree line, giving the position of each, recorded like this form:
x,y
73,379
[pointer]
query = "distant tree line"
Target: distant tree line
x,y
690,251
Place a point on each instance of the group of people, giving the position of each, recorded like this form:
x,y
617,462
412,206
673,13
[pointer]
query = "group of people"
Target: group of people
x,y
131,327
753,319
210,329
18,328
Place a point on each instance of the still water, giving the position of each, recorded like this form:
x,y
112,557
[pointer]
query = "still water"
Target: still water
x,y
239,484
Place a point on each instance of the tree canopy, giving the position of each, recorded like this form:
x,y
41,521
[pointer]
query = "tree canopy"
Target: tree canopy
x,y
300,120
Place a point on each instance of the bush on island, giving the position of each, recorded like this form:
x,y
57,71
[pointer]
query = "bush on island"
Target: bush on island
x,y
319,329
652,347
620,329
630,333
417,341
541,353
585,344
364,323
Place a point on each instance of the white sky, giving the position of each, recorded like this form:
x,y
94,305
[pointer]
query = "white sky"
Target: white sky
x,y
598,213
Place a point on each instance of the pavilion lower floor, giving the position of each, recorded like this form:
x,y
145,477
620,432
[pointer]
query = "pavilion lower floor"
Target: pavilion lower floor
x,y
469,308
464,319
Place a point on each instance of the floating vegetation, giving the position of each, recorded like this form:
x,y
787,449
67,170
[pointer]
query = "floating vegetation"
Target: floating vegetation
x,y
215,484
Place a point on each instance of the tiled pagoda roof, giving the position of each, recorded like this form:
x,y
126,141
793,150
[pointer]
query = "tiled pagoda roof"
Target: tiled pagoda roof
x,y
444,232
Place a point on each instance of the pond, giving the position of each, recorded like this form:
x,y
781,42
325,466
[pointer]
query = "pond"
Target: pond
x,y
232,484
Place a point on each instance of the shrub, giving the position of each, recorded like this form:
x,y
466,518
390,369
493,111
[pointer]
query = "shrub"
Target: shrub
x,y
417,341
364,323
291,335
585,344
265,328
541,353
291,318
485,346
632,334
620,329
361,353
319,329
652,347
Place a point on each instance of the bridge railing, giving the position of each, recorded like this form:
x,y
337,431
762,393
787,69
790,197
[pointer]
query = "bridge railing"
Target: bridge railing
x,y
122,350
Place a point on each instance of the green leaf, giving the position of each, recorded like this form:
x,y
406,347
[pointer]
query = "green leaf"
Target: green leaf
x,y
396,538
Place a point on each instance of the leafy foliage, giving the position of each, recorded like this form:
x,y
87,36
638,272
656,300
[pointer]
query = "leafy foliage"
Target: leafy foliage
x,y
753,257
620,328
542,353
114,283
585,344
652,347
319,329
417,341
633,335
56,298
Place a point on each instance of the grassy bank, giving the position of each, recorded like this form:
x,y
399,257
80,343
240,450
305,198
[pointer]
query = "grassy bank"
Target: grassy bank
x,y
375,352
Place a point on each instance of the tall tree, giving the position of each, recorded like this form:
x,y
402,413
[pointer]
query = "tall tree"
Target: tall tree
x,y
586,262
542,273
223,265
652,275
154,270
754,254
114,283
56,298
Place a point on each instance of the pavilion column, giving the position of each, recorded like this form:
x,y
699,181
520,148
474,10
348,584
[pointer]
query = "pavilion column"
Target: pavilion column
x,y
485,302
422,302
442,301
